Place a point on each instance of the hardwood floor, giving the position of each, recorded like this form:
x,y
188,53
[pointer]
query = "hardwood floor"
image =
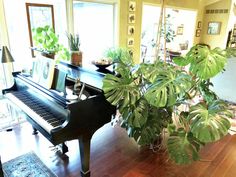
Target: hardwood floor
x,y
113,154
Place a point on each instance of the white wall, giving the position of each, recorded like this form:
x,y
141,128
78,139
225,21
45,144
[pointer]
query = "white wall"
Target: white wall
x,y
225,83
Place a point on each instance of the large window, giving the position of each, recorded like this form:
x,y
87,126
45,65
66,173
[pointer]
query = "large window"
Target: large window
x,y
95,24
18,32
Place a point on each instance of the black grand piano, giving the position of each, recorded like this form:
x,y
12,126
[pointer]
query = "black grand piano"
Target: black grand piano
x,y
58,118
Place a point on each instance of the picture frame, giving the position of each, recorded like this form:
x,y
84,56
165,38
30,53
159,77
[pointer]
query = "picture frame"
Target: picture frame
x,y
199,24
131,18
130,42
131,52
234,32
132,6
180,30
38,15
131,30
214,28
198,33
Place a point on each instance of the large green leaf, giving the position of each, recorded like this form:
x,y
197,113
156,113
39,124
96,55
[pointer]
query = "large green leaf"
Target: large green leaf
x,y
136,115
167,87
208,122
151,122
206,63
182,61
151,71
121,89
182,147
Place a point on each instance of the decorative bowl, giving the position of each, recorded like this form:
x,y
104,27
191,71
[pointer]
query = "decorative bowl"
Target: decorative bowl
x,y
101,65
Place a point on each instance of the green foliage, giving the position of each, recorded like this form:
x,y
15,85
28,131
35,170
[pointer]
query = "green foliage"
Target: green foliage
x,y
168,86
119,55
204,63
45,39
183,147
208,122
168,31
147,95
74,42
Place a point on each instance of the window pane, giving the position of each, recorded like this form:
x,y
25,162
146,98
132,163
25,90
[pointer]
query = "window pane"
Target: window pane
x,y
18,28
94,22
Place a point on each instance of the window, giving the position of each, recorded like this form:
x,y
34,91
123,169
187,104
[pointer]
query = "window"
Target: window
x,y
19,33
95,24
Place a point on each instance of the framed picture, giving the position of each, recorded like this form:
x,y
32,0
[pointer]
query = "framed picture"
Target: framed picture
x,y
131,52
214,28
198,33
39,15
130,42
131,18
199,24
180,30
132,6
131,30
234,32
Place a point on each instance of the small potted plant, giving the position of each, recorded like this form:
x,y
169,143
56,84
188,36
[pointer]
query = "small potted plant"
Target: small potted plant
x,y
46,41
76,54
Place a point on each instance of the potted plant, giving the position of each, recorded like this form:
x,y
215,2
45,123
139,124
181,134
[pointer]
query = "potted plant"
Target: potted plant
x,y
46,41
76,54
118,55
157,97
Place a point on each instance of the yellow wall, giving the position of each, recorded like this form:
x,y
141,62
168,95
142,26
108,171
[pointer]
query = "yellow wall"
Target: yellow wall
x,y
218,40
123,19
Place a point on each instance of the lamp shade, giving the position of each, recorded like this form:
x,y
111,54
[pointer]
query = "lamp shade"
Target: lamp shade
x,y
6,55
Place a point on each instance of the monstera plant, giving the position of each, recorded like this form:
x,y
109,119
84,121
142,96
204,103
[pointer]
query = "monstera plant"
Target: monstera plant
x,y
159,97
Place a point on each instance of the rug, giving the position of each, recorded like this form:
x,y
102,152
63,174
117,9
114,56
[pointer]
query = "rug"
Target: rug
x,y
27,165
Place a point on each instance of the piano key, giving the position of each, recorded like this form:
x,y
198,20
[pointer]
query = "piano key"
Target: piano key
x,y
43,120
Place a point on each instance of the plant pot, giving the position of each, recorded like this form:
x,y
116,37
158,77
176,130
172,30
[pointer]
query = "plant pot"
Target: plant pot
x,y
76,58
48,55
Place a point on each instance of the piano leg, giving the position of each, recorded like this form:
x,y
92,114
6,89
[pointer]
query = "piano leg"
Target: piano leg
x,y
64,148
84,147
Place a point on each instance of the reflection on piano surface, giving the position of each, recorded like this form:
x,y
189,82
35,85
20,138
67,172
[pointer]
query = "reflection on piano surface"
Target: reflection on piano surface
x,y
60,119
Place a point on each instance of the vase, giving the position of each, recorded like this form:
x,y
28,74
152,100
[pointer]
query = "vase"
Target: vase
x,y
76,58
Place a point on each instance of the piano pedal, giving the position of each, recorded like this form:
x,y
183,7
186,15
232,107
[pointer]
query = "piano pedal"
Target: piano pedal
x,y
35,131
61,148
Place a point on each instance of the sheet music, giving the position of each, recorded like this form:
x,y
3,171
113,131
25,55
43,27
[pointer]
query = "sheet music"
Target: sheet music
x,y
43,71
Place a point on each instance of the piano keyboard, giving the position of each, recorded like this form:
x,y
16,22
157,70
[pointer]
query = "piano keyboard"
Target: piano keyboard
x,y
36,110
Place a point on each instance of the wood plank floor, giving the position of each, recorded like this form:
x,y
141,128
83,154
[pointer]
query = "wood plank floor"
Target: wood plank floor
x,y
113,154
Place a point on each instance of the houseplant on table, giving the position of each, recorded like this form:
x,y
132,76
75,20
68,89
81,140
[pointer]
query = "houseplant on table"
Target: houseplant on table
x,y
76,54
47,42
156,97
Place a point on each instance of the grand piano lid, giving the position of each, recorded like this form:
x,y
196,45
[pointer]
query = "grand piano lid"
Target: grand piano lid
x,y
88,76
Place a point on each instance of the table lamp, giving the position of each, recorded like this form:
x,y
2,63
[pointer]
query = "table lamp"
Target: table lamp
x,y
6,58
